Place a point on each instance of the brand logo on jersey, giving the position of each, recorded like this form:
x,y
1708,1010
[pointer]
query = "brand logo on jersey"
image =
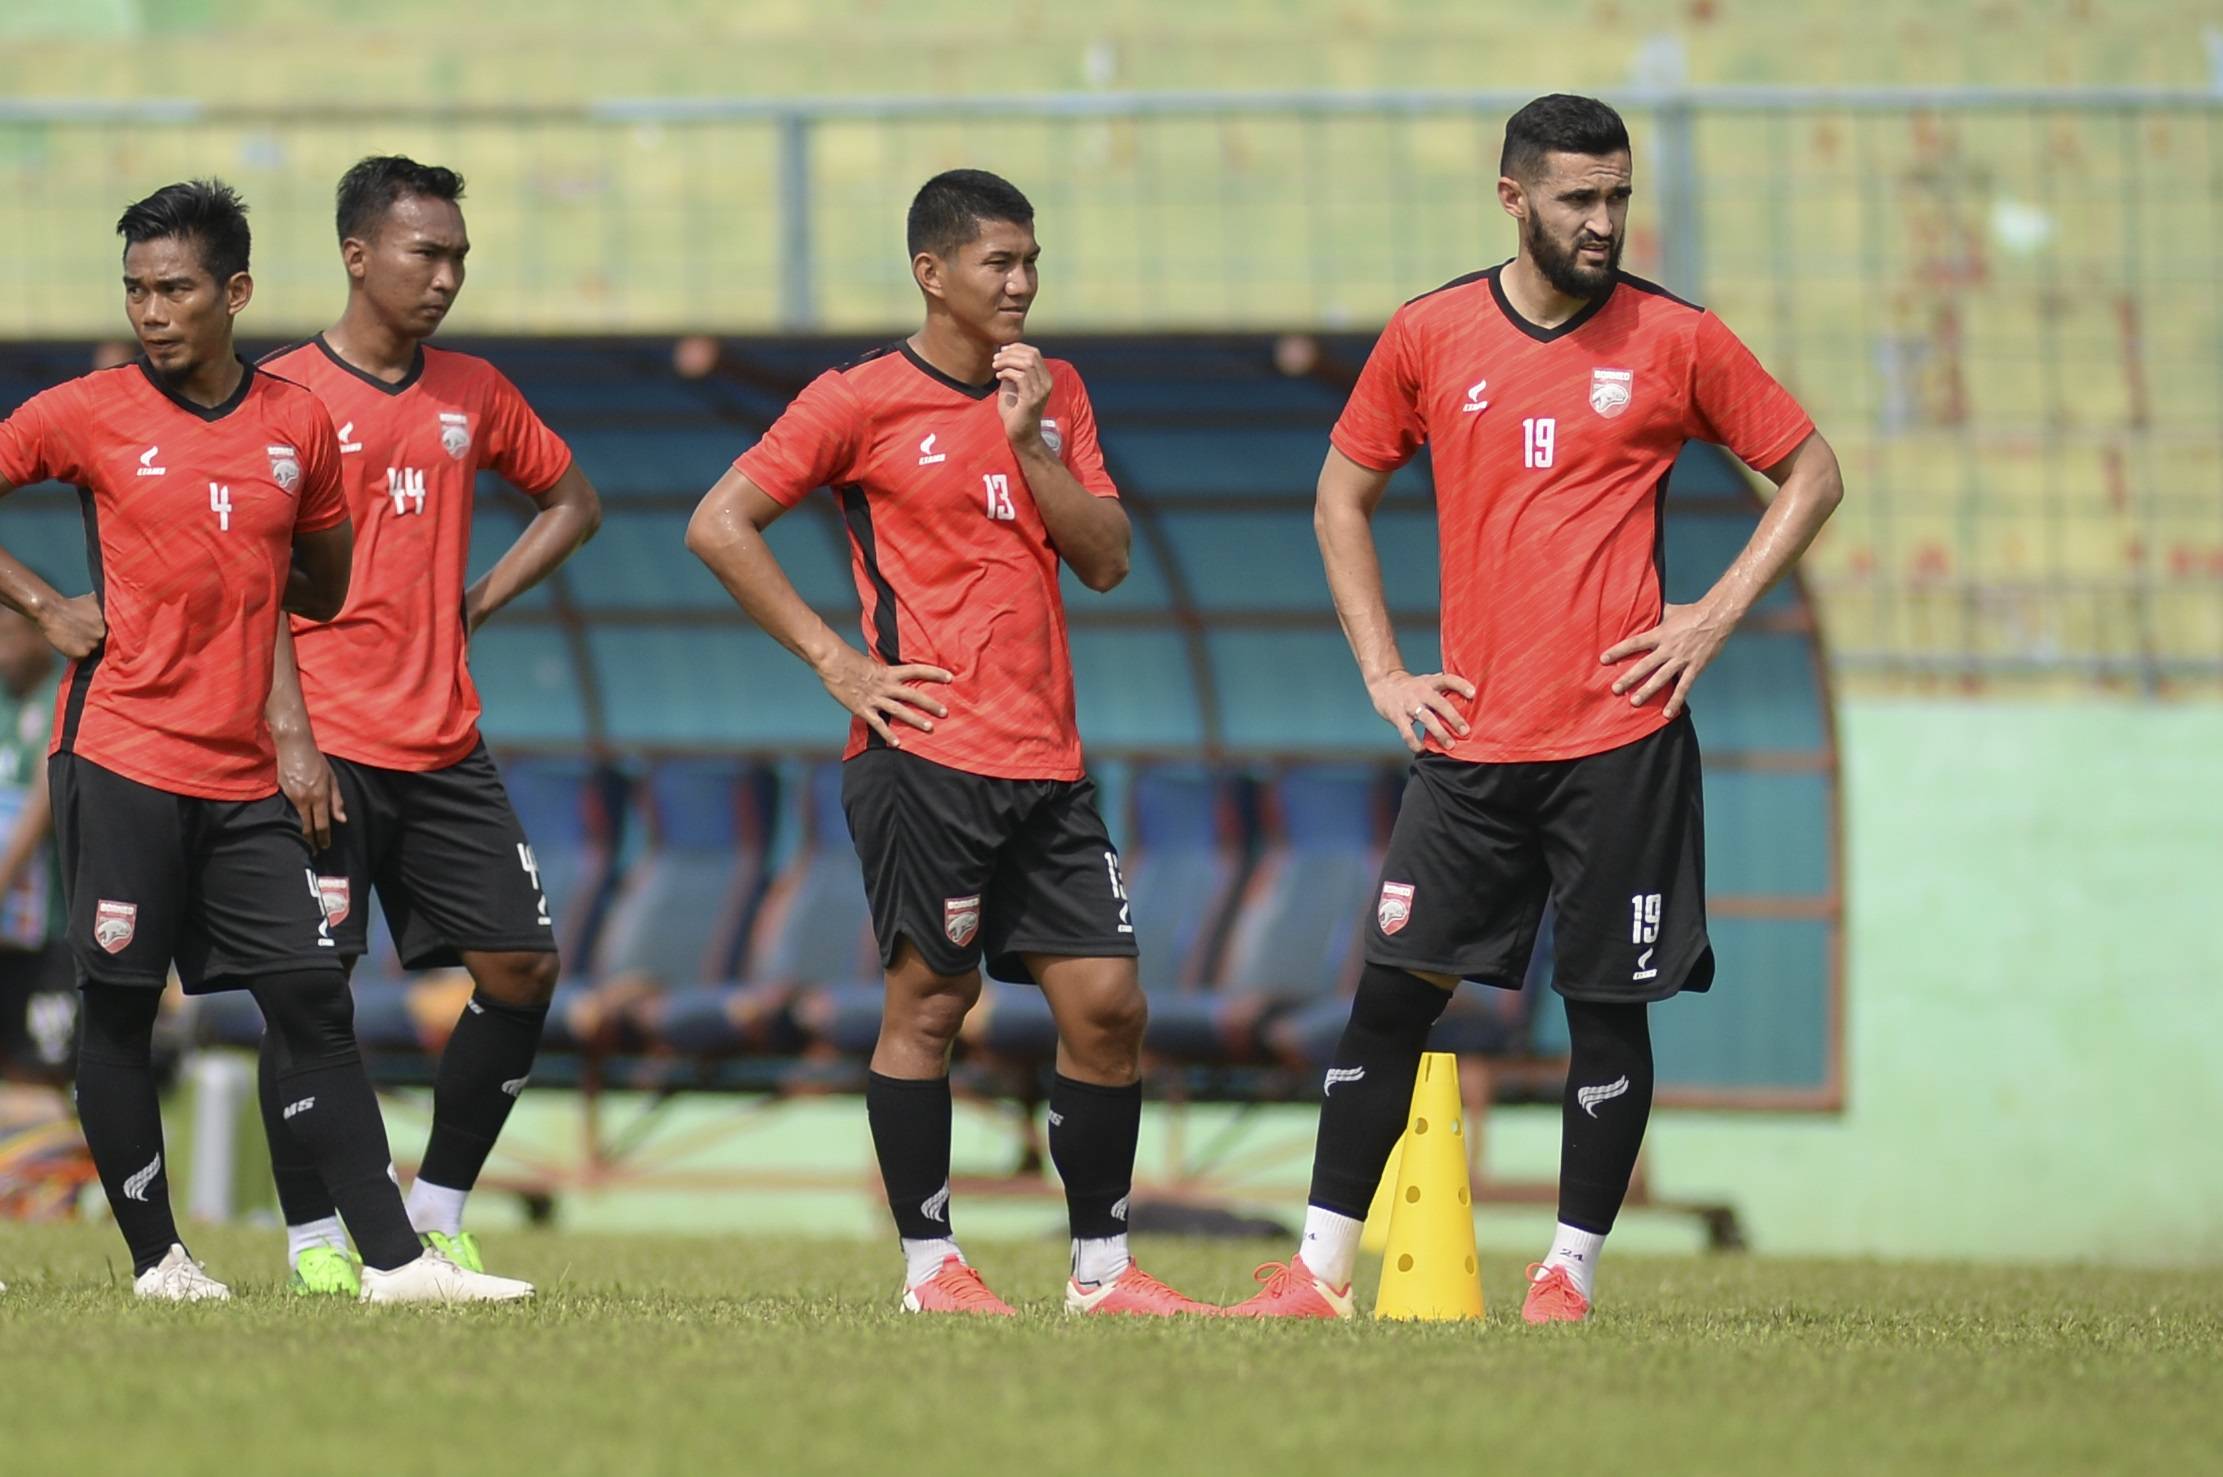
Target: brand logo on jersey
x,y
455,433
1590,1097
928,456
1475,401
1610,390
348,442
147,468
285,467
961,918
333,893
1053,438
115,924
1395,907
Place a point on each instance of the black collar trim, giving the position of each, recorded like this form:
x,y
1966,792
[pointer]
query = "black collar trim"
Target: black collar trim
x,y
1543,335
416,369
203,412
976,392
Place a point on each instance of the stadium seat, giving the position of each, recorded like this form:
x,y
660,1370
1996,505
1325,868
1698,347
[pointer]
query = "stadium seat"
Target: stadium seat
x,y
573,811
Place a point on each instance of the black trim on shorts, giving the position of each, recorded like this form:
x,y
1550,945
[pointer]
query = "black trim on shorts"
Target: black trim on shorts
x,y
81,678
856,511
977,392
210,413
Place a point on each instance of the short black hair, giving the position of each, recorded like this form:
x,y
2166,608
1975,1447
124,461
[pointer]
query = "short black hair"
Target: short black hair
x,y
370,189
207,212
948,209
1559,124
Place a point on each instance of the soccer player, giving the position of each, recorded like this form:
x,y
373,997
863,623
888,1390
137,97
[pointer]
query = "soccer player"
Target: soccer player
x,y
1555,756
967,468
378,740
212,501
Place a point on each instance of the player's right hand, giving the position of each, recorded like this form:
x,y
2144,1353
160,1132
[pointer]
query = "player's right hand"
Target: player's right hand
x,y
878,694
1404,700
75,626
305,775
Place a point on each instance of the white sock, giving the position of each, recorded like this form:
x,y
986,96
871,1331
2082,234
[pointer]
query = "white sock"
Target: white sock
x,y
1331,1245
922,1259
1098,1259
326,1232
434,1207
1577,1251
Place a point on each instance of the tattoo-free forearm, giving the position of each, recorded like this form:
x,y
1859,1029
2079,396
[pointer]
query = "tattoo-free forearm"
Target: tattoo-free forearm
x,y
1810,491
1343,520
569,516
1090,533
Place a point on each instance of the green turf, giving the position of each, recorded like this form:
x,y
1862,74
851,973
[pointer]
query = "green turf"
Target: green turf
x,y
769,1355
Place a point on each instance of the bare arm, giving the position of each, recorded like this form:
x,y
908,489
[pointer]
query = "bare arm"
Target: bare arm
x,y
1689,636
727,534
304,774
316,588
32,824
1343,518
1090,532
570,513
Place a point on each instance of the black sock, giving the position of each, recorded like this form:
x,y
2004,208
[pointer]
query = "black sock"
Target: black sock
x,y
302,1197
122,1115
910,1133
1092,1142
481,1073
332,1112
1369,1087
1608,1101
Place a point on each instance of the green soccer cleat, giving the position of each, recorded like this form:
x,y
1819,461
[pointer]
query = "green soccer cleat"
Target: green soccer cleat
x,y
326,1271
462,1248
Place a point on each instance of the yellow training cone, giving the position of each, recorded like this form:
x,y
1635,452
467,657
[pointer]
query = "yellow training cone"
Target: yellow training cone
x,y
1429,1268
1375,1237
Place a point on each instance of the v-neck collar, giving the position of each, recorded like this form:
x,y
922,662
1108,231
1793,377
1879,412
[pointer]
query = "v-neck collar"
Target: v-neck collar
x,y
1537,331
918,362
395,387
237,398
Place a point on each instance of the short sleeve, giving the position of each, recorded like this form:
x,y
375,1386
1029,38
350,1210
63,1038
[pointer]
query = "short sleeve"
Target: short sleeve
x,y
818,441
37,442
1381,425
519,445
323,502
1083,457
1736,403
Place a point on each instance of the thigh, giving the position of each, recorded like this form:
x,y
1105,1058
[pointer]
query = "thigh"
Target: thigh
x,y
256,909
460,875
345,869
125,871
928,837
1463,882
1624,832
1057,888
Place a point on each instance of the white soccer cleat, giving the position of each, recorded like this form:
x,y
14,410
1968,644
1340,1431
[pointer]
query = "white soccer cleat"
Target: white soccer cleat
x,y
177,1278
432,1278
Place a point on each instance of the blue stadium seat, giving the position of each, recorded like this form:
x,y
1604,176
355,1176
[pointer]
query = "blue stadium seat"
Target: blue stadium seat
x,y
656,460
45,528
728,685
529,685
572,811
815,928
1133,689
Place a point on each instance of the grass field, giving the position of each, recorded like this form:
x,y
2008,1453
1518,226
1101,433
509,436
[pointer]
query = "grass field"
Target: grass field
x,y
666,1354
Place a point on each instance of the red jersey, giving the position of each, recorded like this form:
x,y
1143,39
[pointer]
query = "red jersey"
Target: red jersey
x,y
387,683
1551,449
954,566
190,516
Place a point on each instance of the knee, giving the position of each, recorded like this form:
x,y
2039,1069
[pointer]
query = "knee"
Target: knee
x,y
118,1025
929,1012
1395,1002
524,981
1106,1039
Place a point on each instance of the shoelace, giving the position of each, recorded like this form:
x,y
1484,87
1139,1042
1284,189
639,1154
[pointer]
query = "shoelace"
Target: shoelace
x,y
1558,1288
1279,1277
964,1287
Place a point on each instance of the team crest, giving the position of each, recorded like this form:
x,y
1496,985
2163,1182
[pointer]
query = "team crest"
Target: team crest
x,y
333,893
285,467
115,924
961,919
1053,438
455,433
1396,906
1610,391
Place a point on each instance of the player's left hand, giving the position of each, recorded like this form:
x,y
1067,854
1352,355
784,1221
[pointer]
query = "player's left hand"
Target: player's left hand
x,y
1675,652
1026,392
305,775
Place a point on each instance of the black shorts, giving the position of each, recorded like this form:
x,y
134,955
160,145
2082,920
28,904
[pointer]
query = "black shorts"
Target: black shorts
x,y
965,865
222,888
1615,841
447,857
